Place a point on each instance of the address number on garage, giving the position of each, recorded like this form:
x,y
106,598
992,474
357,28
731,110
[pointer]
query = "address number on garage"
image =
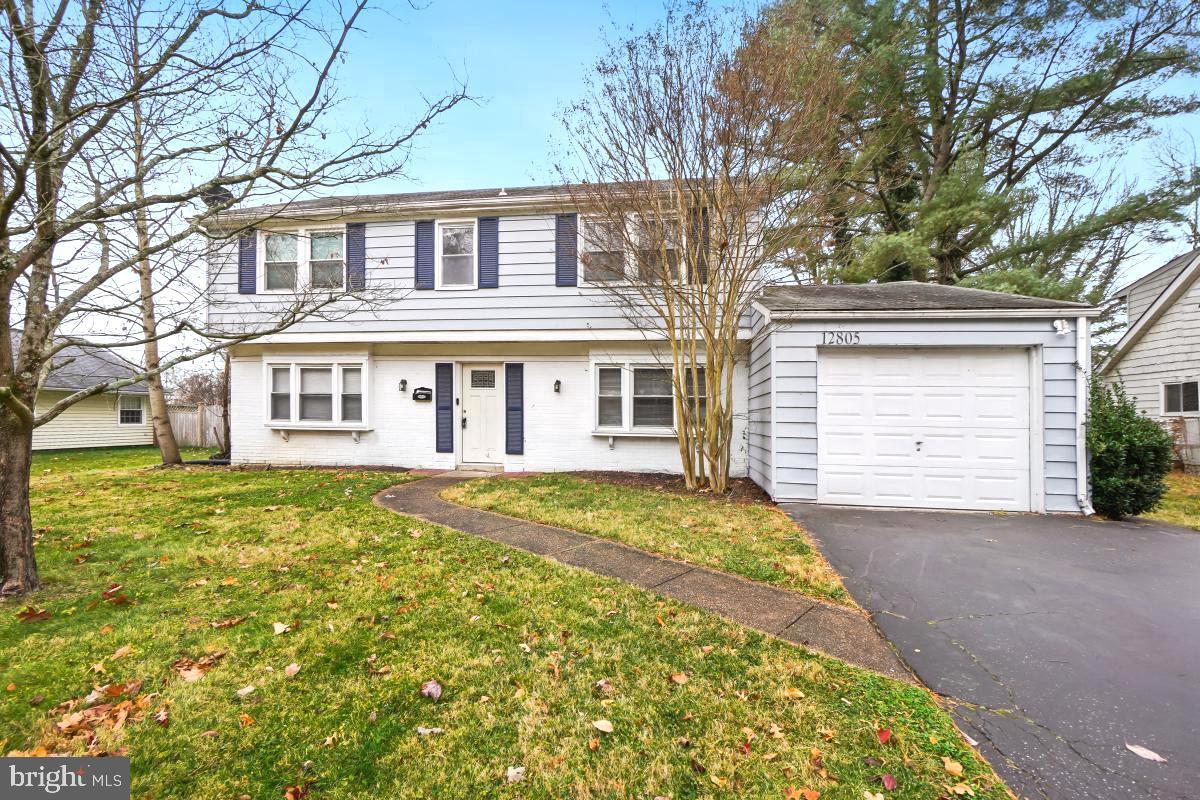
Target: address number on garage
x,y
840,337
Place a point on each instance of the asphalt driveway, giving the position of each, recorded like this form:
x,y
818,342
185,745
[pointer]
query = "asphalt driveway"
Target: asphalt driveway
x,y
1061,639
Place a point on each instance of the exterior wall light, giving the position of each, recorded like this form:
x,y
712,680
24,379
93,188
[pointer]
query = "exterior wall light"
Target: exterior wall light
x,y
557,387
403,385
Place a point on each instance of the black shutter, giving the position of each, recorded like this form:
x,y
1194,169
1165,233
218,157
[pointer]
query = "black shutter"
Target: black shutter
x,y
356,256
424,258
247,263
566,243
489,252
443,399
514,409
698,240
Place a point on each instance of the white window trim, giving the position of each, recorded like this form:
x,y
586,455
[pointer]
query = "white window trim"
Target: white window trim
x,y
303,257
1162,399
437,255
631,264
627,427
294,422
142,402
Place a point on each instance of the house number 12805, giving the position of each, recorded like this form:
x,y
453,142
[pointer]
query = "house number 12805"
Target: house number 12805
x,y
840,337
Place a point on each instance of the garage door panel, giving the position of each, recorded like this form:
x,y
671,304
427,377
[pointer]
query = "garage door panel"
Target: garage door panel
x,y
924,428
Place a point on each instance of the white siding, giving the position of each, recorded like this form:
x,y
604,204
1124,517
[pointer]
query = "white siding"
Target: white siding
x,y
759,431
1167,352
794,381
89,423
526,300
558,426
1140,295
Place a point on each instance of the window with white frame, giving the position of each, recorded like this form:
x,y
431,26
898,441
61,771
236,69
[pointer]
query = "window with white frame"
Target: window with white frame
x,y
304,259
316,394
658,240
1181,398
130,410
637,397
456,255
602,252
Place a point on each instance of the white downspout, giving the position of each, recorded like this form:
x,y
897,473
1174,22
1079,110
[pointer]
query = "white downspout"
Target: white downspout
x,y
1083,358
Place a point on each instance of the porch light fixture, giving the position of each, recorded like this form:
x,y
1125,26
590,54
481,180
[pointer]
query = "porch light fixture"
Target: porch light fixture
x,y
403,385
557,387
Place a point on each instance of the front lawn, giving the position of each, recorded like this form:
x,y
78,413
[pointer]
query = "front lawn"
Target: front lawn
x,y
1181,506
267,633
752,539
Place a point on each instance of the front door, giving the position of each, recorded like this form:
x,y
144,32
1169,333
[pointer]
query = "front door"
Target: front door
x,y
482,414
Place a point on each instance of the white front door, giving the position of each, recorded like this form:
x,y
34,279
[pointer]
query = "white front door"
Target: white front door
x,y
924,428
482,417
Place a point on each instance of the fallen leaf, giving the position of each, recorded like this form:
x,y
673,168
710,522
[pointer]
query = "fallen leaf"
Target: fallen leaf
x,y
1142,752
428,731
514,774
952,766
959,789
593,743
603,725
228,623
32,614
162,717
792,693
121,652
280,628
245,691
432,690
869,795
291,669
106,629
883,735
245,720
679,678
889,781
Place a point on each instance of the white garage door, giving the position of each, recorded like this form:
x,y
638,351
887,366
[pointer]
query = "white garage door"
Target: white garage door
x,y
924,428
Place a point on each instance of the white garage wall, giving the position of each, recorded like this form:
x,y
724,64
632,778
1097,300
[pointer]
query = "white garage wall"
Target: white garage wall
x,y
558,426
794,382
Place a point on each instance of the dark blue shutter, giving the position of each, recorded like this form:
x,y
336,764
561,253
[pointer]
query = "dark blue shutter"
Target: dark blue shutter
x,y
514,409
356,256
566,242
489,252
443,399
698,236
425,254
247,263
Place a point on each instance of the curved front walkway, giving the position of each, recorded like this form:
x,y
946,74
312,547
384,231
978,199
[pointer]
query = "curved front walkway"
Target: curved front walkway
x,y
840,632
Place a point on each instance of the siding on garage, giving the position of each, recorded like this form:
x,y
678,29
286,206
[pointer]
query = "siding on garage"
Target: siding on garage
x,y
759,405
89,423
795,348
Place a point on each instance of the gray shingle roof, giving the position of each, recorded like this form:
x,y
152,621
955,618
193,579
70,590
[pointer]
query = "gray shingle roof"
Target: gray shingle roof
x,y
83,367
901,296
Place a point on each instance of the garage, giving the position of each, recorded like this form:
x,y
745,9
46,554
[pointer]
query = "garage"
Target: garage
x,y
924,428
916,395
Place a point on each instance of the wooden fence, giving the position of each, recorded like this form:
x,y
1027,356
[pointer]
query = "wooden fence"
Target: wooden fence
x,y
197,425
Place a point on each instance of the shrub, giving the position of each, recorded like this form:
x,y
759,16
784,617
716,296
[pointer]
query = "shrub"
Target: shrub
x,y
1131,454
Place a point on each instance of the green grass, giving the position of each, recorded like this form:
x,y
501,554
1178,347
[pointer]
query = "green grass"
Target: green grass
x,y
754,540
378,604
1181,505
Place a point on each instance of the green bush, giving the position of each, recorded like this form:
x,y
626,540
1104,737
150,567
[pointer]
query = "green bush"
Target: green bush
x,y
1131,454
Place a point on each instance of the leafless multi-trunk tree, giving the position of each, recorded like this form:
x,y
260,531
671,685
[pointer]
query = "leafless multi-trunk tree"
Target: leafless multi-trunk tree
x,y
688,165
243,103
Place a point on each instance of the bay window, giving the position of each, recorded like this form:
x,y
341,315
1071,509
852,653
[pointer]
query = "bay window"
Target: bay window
x,y
304,259
316,395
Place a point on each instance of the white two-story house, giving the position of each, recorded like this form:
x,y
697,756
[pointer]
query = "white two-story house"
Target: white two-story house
x,y
485,342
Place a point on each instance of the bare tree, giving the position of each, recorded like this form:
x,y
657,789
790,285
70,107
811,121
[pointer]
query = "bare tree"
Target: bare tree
x,y
206,387
677,152
253,88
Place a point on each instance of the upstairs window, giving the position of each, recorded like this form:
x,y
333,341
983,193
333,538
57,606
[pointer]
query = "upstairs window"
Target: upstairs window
x,y
645,250
316,395
304,259
1181,398
129,409
658,240
456,255
603,252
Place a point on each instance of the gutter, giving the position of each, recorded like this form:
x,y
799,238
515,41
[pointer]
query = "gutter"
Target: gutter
x,y
1082,374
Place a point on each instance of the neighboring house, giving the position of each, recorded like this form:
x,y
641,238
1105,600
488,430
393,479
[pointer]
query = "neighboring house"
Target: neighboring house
x,y
488,344
1158,357
110,419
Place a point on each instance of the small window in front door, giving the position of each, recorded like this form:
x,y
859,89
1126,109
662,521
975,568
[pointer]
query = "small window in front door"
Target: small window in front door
x,y
483,379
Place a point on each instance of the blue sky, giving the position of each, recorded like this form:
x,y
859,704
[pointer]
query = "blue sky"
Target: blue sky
x,y
523,61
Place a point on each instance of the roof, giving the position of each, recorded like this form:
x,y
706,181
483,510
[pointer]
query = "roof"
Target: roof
x,y
546,195
904,296
1174,265
1166,298
84,367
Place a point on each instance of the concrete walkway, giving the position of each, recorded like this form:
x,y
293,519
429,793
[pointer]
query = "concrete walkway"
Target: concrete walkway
x,y
844,633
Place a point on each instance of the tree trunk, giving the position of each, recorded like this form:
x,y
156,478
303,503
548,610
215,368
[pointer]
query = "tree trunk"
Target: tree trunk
x,y
227,445
16,525
164,434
